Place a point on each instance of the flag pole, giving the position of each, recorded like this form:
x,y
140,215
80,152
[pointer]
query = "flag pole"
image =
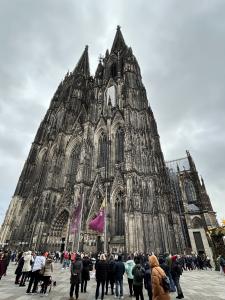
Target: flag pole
x,y
105,213
82,206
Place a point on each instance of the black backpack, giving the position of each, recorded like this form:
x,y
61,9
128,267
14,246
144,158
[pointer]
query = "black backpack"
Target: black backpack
x,y
139,274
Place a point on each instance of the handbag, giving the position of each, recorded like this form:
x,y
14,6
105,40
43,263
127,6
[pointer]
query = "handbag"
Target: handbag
x,y
42,270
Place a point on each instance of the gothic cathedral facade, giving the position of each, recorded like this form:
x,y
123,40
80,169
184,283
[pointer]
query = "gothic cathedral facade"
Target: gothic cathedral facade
x,y
97,142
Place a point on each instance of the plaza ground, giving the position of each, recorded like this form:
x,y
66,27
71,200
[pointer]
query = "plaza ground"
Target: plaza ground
x,y
196,285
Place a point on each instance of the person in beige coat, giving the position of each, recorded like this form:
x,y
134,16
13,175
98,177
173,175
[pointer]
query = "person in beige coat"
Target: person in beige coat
x,y
158,293
48,271
28,259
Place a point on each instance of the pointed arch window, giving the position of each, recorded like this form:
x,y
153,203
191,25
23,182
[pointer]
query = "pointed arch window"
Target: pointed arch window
x,y
119,215
102,150
119,144
74,162
190,191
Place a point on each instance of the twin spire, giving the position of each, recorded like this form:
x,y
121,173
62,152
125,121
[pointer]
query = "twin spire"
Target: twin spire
x,y
82,66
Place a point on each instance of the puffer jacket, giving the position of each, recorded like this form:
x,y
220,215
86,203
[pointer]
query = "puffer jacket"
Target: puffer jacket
x,y
28,259
48,267
129,267
157,275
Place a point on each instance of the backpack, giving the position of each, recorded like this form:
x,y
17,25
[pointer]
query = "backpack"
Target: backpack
x,y
166,283
139,274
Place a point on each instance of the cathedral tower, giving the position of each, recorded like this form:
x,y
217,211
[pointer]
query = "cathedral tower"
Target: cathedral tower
x,y
97,142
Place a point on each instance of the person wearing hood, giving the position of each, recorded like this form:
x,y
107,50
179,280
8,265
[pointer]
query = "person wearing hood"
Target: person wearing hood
x,y
28,260
176,271
48,270
158,292
76,276
128,268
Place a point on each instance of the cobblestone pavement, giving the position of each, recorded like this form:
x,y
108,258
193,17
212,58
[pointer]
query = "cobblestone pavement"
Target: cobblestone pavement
x,y
196,285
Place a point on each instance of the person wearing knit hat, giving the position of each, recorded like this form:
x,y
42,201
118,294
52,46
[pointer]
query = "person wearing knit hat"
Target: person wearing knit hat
x,y
158,292
176,271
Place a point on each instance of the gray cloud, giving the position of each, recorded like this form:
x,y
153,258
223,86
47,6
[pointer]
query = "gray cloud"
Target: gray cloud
x,y
180,48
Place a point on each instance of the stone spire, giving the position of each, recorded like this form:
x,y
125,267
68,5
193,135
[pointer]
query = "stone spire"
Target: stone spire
x,y
82,66
118,43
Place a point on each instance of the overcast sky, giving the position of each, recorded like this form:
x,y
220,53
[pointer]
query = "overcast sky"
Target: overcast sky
x,y
180,47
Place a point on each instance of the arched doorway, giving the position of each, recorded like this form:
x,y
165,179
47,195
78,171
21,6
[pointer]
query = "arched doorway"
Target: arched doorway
x,y
59,233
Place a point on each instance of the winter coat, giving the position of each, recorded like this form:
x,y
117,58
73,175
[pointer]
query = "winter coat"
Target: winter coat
x,y
48,269
85,272
20,266
101,268
76,271
138,281
111,270
157,275
2,266
119,270
129,267
147,277
27,261
176,270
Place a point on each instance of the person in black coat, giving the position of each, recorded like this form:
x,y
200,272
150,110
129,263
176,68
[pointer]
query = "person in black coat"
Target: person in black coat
x,y
110,276
176,271
19,269
101,269
85,273
75,279
119,271
148,279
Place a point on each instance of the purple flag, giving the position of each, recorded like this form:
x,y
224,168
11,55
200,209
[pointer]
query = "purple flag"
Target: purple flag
x,y
97,224
76,219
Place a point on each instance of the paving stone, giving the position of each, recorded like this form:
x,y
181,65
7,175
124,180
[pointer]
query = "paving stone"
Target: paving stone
x,y
196,285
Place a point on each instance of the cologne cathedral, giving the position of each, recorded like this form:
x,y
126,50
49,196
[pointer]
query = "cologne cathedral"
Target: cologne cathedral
x,y
98,143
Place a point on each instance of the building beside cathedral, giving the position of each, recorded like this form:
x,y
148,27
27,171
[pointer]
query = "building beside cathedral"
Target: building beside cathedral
x,y
99,142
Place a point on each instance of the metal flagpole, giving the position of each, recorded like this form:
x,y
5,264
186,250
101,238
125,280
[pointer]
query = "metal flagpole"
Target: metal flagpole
x,y
82,205
105,213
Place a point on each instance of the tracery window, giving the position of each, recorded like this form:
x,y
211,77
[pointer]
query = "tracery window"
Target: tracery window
x,y
190,191
111,93
102,150
74,162
119,144
119,215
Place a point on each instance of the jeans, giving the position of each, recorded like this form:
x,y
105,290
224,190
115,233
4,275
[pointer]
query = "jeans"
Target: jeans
x,y
23,279
138,291
83,286
45,284
130,283
111,280
119,283
97,289
76,286
34,278
177,284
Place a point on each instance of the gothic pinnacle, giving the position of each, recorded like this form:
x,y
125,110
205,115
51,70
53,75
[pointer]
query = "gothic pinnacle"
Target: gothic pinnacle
x,y
82,66
118,43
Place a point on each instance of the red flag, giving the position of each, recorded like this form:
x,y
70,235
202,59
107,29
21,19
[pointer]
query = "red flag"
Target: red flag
x,y
97,224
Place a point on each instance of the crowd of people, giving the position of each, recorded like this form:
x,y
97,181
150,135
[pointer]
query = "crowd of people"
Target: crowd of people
x,y
160,275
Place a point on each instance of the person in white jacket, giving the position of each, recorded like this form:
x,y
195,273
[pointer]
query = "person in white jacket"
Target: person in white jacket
x,y
28,260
